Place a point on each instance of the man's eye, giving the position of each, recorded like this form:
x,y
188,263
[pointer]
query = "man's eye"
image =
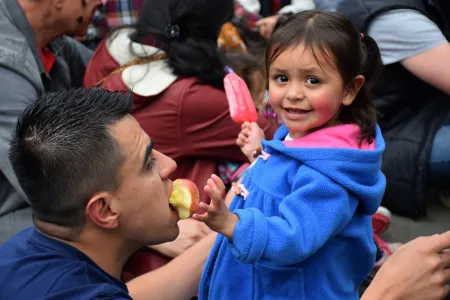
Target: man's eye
x,y
151,163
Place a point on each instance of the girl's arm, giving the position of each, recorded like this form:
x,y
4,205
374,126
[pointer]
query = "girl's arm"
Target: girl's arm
x,y
312,214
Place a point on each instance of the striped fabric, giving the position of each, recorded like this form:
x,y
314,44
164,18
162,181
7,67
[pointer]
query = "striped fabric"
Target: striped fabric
x,y
114,13
121,12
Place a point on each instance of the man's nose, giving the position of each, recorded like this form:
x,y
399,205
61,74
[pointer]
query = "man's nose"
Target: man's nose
x,y
165,164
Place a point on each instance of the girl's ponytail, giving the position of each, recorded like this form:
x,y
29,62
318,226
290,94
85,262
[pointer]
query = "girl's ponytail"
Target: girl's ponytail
x,y
362,111
371,66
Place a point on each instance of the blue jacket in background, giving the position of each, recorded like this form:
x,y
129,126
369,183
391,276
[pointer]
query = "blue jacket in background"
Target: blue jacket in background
x,y
305,229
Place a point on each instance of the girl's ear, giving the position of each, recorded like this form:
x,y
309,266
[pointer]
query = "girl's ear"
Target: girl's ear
x,y
353,90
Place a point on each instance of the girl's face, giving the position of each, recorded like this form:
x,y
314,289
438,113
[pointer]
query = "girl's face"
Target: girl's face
x,y
306,95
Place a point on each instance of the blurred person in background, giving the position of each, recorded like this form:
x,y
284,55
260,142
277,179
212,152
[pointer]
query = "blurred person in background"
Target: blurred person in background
x,y
412,95
36,57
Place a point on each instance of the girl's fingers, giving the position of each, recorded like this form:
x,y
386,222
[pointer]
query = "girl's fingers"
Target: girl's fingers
x,y
219,183
241,137
216,198
211,210
245,125
211,191
202,218
211,184
203,205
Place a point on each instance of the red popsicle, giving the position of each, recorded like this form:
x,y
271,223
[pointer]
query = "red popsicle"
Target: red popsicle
x,y
242,108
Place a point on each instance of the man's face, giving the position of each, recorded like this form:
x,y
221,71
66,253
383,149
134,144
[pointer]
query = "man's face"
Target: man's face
x,y
78,14
144,188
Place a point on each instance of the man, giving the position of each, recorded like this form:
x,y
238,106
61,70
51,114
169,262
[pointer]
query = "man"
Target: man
x,y
35,58
98,191
412,95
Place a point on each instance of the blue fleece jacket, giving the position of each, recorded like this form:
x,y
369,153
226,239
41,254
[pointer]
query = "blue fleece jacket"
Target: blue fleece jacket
x,y
305,228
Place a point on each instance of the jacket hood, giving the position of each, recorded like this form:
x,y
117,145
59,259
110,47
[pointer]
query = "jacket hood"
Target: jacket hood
x,y
336,153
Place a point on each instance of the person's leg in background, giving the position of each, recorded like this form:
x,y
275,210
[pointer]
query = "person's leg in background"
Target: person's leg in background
x,y
439,168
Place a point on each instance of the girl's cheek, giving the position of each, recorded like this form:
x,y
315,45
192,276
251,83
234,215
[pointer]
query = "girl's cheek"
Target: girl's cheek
x,y
275,94
324,103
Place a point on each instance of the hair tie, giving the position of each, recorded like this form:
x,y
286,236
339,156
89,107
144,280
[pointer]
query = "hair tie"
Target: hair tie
x,y
172,31
227,69
362,35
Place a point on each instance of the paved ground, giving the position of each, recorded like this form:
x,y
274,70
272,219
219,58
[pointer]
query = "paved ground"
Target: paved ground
x,y
404,229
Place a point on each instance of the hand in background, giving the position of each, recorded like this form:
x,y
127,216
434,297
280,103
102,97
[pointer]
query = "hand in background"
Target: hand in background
x,y
266,26
191,231
417,270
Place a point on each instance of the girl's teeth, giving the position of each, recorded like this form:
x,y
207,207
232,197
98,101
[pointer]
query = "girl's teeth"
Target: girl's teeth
x,y
296,111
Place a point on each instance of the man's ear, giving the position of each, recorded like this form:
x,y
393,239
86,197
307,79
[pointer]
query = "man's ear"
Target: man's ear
x,y
102,211
353,90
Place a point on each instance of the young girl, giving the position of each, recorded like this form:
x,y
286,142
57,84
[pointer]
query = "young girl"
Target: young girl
x,y
300,227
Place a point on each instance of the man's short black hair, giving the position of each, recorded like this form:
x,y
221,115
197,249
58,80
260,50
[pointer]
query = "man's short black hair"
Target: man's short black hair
x,y
62,151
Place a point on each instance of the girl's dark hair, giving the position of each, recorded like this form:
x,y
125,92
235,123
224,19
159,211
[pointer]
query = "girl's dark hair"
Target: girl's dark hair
x,y
343,47
190,29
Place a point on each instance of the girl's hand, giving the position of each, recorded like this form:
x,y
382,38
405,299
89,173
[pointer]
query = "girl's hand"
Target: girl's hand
x,y
249,139
217,216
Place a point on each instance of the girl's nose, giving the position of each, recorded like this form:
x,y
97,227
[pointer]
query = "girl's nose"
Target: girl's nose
x,y
295,92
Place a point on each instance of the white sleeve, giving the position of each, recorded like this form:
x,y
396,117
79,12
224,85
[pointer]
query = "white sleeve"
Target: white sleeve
x,y
252,6
298,6
404,33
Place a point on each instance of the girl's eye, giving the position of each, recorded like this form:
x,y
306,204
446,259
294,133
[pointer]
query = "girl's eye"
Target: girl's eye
x,y
312,81
281,78
151,163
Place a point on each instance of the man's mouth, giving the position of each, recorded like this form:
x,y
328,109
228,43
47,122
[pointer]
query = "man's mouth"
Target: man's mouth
x,y
170,194
174,212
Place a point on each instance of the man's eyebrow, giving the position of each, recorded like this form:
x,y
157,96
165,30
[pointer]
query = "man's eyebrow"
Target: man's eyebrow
x,y
148,152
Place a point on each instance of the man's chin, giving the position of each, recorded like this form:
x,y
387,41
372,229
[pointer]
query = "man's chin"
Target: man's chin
x,y
176,233
79,34
171,235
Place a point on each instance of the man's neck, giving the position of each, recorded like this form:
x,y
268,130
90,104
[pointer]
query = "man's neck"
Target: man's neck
x,y
44,28
104,248
108,253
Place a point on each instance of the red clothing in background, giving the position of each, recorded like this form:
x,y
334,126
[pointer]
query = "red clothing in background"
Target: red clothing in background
x,y
189,121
